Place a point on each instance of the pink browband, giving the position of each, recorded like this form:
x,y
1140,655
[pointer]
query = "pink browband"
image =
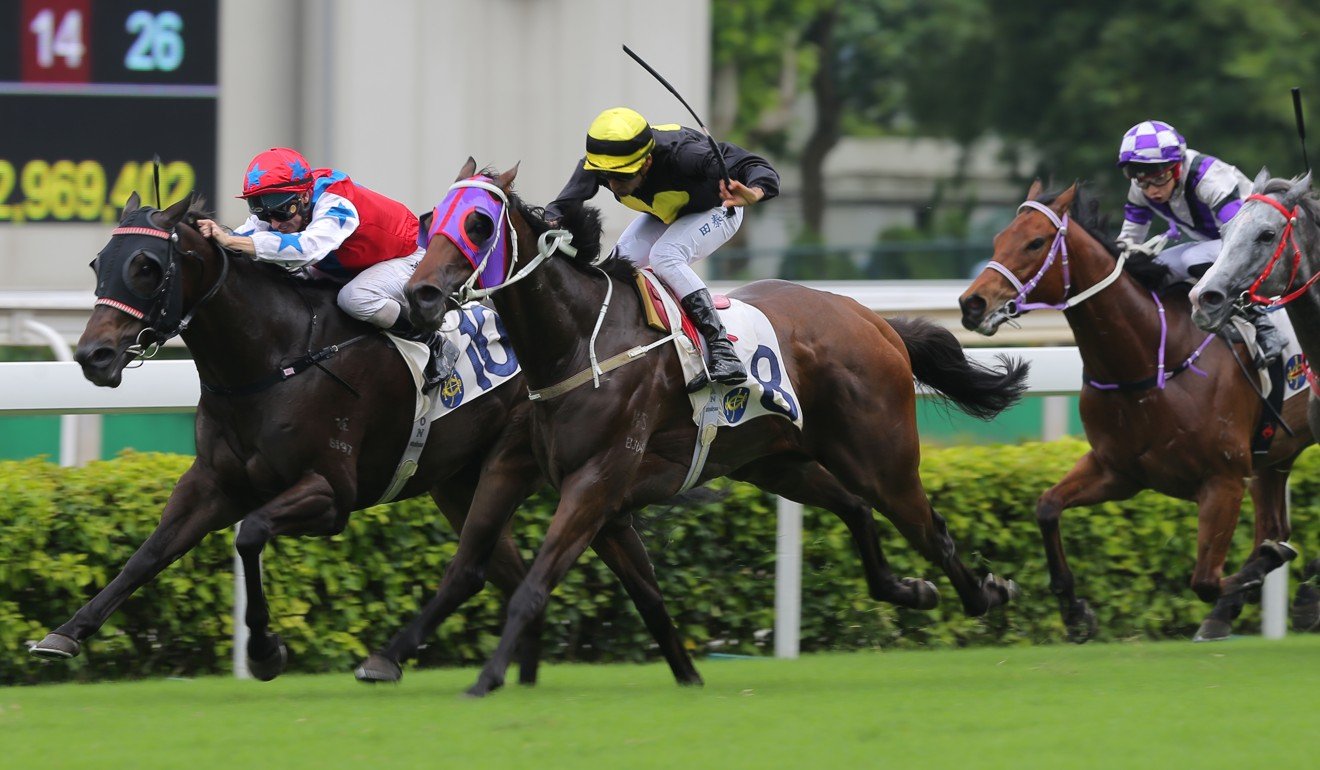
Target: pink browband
x,y
151,231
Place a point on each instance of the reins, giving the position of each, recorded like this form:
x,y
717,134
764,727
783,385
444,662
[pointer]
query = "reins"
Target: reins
x,y
1287,238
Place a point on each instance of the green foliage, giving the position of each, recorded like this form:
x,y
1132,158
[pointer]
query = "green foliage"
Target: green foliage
x,y
64,533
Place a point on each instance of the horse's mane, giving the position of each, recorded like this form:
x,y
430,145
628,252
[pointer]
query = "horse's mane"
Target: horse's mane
x,y
583,222
1086,213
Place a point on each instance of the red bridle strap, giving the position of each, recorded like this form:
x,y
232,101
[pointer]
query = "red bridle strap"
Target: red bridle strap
x,y
1285,239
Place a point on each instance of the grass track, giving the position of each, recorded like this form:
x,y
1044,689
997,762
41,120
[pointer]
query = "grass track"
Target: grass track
x,y
1242,703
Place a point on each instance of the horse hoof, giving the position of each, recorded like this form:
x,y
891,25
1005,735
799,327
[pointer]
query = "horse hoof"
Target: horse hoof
x,y
56,647
484,686
924,594
1081,623
271,666
1213,630
378,668
999,590
1305,610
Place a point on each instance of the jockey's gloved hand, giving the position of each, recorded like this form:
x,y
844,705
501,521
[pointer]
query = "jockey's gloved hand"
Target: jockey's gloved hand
x,y
1143,251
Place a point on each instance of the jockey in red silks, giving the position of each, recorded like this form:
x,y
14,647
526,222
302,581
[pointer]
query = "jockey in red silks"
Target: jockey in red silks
x,y
319,223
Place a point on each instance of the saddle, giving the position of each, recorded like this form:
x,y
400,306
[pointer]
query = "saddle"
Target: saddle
x,y
657,317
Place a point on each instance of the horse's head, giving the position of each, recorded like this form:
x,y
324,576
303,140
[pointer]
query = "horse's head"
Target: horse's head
x,y
1263,256
1022,266
478,247
140,291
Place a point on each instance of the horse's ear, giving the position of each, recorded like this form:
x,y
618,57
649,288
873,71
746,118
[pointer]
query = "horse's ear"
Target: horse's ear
x,y
133,203
1065,200
468,169
1033,192
1299,188
174,214
506,179
1261,178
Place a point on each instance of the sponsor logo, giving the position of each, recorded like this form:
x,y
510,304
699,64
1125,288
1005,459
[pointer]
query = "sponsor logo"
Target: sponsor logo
x,y
451,391
735,403
1295,370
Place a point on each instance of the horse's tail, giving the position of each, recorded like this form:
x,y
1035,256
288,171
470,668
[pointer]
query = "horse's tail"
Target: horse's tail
x,y
939,362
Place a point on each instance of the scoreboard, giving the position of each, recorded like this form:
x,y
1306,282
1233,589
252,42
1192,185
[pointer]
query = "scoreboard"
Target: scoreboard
x,y
90,90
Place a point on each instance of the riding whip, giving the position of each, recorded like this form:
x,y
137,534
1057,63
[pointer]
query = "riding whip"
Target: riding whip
x,y
1301,125
719,156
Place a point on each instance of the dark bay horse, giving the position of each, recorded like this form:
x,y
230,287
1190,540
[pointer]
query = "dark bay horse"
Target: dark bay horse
x,y
285,456
614,448
1271,257
1181,424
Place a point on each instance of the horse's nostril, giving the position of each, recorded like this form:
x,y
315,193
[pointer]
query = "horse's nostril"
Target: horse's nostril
x,y
426,296
1211,299
96,358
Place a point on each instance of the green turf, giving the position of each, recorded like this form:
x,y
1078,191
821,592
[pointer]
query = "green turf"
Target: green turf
x,y
1236,704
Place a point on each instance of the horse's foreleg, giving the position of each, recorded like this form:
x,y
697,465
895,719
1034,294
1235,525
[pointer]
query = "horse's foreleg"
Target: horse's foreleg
x,y
506,480
622,550
194,509
1089,482
1218,508
585,504
307,507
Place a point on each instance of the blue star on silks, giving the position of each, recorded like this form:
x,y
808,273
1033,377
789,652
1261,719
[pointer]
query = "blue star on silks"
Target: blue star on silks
x,y
290,240
298,170
254,175
341,212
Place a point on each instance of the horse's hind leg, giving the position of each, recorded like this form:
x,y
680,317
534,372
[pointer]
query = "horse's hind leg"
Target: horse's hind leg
x,y
1087,483
886,476
307,507
1269,491
194,509
1305,611
622,550
807,482
484,544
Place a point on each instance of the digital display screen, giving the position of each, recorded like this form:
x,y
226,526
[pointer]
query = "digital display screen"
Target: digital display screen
x,y
90,91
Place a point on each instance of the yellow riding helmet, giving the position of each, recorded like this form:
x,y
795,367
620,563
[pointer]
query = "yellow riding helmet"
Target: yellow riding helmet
x,y
618,141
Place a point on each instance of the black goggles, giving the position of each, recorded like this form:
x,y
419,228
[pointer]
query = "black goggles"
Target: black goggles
x,y
280,207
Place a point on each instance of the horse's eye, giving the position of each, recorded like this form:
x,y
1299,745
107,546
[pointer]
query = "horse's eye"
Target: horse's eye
x,y
479,227
1265,236
1036,243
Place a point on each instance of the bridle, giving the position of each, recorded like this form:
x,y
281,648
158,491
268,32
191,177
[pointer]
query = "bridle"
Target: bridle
x,y
162,309
1058,248
1287,238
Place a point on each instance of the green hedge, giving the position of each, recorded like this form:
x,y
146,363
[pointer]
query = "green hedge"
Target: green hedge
x,y
65,532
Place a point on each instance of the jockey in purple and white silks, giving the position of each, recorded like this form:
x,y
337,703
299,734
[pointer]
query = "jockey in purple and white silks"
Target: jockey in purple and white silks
x,y
1195,193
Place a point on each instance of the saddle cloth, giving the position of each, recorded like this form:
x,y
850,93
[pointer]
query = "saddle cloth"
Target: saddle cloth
x,y
1279,381
766,391
485,360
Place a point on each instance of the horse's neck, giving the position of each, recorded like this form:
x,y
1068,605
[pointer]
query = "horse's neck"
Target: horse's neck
x,y
248,328
1117,330
550,316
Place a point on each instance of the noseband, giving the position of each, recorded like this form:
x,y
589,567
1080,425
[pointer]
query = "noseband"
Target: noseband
x,y
1286,239
1058,248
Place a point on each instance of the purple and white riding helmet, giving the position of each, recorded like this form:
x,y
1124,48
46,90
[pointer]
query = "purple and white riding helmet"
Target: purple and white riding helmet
x,y
1152,142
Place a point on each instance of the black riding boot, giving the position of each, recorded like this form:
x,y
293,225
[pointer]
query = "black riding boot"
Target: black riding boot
x,y
1268,337
721,361
444,354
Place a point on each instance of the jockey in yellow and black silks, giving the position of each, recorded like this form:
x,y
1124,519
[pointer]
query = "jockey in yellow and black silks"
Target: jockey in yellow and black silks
x,y
671,174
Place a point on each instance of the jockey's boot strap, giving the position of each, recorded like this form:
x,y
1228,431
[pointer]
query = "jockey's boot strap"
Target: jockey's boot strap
x,y
721,361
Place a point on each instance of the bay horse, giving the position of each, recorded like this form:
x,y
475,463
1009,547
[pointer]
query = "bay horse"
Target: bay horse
x,y
1163,404
304,416
1271,257
612,449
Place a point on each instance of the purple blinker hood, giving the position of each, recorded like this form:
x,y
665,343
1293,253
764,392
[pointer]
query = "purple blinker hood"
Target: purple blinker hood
x,y
448,219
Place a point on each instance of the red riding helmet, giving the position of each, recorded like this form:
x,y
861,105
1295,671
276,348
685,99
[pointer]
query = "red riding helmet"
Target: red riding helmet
x,y
278,169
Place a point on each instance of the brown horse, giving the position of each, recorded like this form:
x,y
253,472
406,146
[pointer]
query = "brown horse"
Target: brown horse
x,y
1164,408
629,442
285,454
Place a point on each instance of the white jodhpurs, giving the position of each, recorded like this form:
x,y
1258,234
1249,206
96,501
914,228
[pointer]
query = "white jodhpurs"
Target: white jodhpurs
x,y
1183,259
376,294
669,250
